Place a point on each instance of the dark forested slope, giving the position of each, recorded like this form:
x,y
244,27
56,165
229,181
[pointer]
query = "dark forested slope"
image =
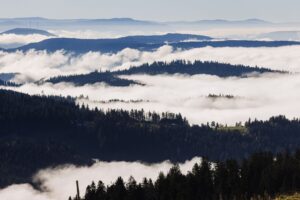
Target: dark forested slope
x,y
158,68
193,68
261,176
37,132
92,78
8,83
141,42
136,42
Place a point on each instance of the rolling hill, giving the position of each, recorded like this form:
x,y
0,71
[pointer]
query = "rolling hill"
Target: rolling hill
x,y
167,38
226,23
125,22
159,68
194,68
146,43
92,78
28,31
39,21
111,45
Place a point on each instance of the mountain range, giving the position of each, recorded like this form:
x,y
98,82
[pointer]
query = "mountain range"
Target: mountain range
x,y
222,22
114,45
111,45
140,42
39,21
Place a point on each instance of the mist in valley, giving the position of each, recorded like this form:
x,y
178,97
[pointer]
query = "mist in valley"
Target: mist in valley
x,y
199,98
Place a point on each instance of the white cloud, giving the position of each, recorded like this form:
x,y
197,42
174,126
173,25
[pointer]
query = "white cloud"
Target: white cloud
x,y
59,183
13,40
261,97
34,65
85,34
257,97
23,192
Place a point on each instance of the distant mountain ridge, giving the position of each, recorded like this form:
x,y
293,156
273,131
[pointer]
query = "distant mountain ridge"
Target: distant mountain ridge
x,y
39,21
80,46
166,38
247,21
141,42
223,22
28,31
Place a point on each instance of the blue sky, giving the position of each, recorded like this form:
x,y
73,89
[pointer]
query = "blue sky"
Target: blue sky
x,y
160,10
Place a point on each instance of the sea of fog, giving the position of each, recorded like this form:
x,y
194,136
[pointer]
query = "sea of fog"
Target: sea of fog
x,y
258,97
59,183
255,97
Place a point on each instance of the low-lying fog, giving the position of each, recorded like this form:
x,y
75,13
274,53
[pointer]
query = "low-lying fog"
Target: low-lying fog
x,y
290,32
34,65
59,183
255,97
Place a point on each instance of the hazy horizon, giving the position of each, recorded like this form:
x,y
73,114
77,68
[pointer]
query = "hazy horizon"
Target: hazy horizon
x,y
140,19
190,10
150,20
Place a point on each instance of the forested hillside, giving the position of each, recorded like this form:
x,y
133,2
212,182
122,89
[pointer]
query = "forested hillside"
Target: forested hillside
x,y
193,68
158,68
114,45
92,78
40,131
8,83
27,31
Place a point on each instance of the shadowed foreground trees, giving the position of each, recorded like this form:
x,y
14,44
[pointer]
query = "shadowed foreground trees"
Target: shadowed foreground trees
x,y
261,176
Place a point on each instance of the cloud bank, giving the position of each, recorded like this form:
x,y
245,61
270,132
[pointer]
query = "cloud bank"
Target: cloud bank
x,y
59,183
8,41
34,65
259,97
256,97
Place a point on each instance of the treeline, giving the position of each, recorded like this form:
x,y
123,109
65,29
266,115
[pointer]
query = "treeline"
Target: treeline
x,y
261,176
40,131
80,46
8,84
193,68
158,68
223,96
92,78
